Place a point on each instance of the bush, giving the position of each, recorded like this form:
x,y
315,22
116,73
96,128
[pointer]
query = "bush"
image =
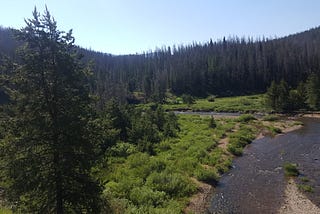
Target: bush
x,y
270,117
157,165
187,99
173,184
304,179
224,166
206,175
246,118
212,123
187,164
146,196
290,170
275,130
234,149
211,98
122,149
305,187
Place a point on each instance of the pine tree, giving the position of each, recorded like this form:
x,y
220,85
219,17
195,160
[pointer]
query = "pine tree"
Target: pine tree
x,y
277,96
47,151
313,91
283,98
301,92
272,95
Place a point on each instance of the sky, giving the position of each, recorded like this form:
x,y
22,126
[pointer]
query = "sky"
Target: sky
x,y
136,26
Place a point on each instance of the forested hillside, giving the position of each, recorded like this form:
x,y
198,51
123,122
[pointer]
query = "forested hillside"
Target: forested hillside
x,y
231,66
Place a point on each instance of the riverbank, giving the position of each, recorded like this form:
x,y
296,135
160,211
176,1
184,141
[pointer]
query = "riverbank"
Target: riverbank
x,y
296,203
199,202
181,174
257,182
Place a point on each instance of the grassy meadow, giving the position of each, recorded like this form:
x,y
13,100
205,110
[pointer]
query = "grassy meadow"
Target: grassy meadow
x,y
137,182
245,104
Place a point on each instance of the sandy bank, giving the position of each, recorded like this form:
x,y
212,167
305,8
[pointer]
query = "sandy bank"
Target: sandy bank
x,y
297,203
312,115
199,202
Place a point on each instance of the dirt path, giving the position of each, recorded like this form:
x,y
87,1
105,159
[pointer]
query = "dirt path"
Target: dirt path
x,y
223,143
297,203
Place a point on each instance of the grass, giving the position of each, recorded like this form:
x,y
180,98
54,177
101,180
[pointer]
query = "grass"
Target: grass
x,y
246,118
291,170
248,104
298,123
305,188
5,210
274,130
239,139
161,183
140,183
270,117
304,179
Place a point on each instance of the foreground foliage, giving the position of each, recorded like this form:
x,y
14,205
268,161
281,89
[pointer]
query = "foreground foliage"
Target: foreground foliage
x,y
49,142
162,182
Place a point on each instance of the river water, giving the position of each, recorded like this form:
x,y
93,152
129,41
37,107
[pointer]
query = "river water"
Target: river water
x,y
256,184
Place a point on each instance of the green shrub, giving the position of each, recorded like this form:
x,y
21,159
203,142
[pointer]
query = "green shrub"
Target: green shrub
x,y
270,117
290,169
122,149
246,118
298,123
206,175
234,149
304,179
212,123
275,130
138,160
187,99
245,102
157,165
224,166
163,146
146,196
173,184
239,141
186,165
169,207
305,188
211,98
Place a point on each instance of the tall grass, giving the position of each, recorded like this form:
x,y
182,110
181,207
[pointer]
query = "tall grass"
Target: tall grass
x,y
137,182
252,103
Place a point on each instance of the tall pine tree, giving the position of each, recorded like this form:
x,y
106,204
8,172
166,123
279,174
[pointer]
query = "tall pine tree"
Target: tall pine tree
x,y
47,151
313,91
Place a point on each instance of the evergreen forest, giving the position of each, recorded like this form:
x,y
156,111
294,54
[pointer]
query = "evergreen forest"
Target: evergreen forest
x,y
227,67
89,132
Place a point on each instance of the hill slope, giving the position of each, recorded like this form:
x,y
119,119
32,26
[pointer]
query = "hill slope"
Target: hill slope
x,y
232,66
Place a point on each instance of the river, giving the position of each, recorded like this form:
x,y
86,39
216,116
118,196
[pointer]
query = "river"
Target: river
x,y
257,184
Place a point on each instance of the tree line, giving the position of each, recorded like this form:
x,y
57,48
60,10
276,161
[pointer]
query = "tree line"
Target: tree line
x,y
230,66
306,96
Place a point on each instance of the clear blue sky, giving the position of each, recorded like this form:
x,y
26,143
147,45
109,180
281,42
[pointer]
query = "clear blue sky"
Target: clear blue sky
x,y
134,26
